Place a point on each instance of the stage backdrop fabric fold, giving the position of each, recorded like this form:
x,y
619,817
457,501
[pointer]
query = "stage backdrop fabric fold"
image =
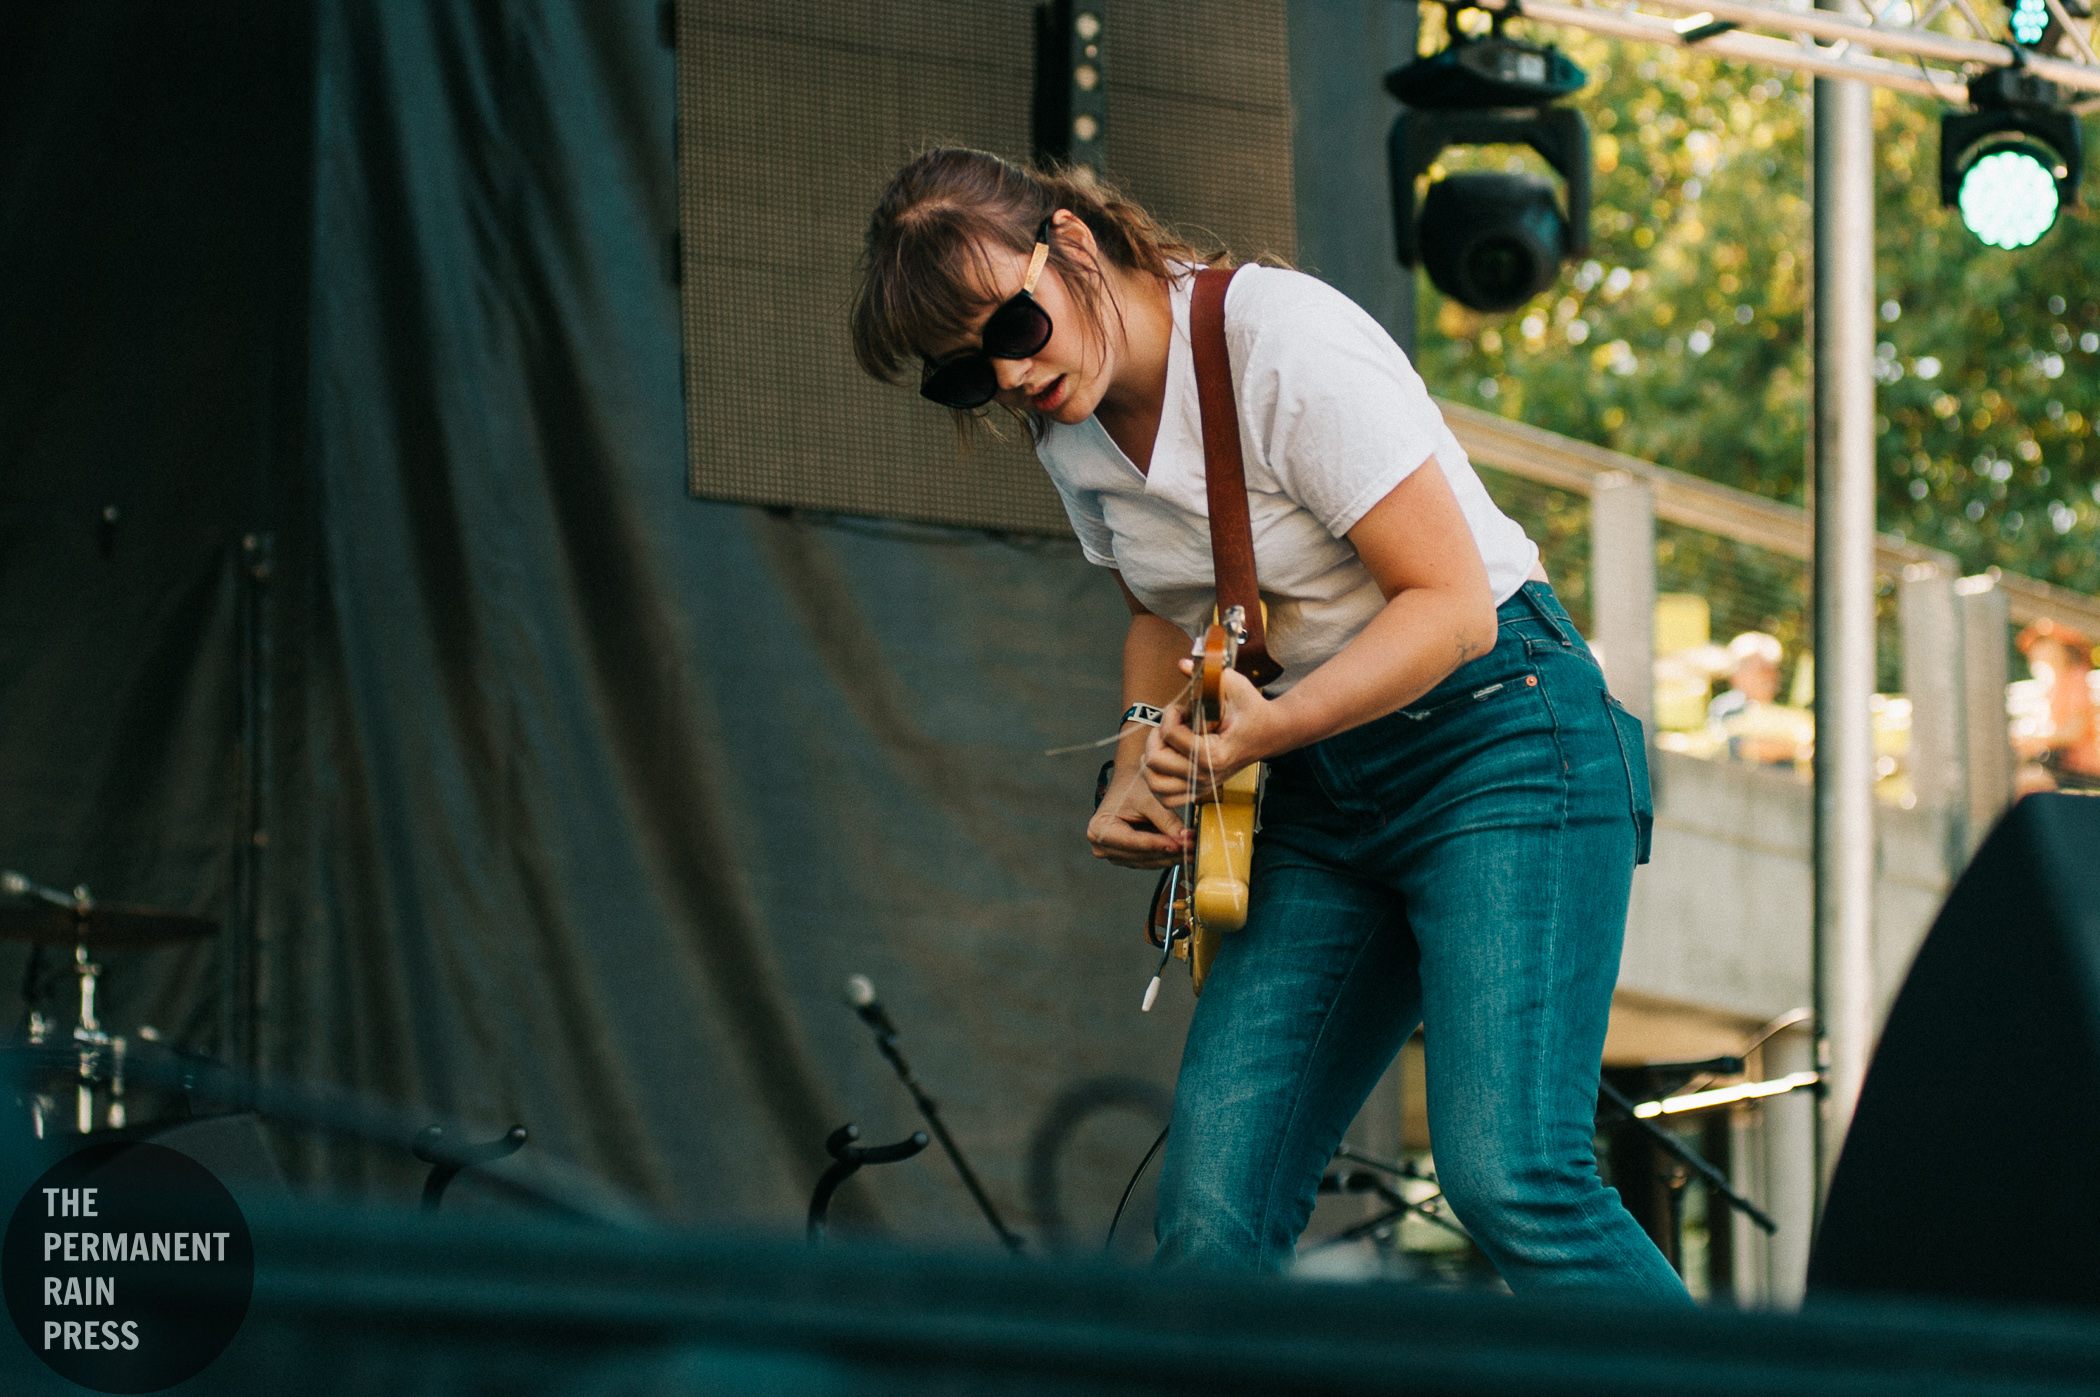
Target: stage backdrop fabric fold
x,y
583,797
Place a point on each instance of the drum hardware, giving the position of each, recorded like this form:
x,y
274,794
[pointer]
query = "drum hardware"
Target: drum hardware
x,y
446,1160
1383,1227
847,1159
213,1091
50,917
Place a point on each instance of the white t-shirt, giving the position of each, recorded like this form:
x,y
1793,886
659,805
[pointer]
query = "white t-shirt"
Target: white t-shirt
x,y
1332,417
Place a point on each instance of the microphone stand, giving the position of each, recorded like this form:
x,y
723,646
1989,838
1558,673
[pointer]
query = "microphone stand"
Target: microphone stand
x,y
860,996
1677,1149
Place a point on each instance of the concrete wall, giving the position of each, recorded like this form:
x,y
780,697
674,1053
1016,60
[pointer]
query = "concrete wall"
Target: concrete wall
x,y
1721,913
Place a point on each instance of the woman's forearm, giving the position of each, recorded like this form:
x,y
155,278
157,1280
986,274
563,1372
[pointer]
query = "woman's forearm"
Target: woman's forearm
x,y
1153,649
1439,613
1409,647
1129,826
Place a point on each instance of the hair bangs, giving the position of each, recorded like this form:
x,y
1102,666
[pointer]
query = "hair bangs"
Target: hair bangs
x,y
926,273
927,284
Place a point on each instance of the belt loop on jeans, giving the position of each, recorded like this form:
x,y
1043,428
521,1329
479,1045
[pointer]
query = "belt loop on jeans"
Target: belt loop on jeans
x,y
1529,592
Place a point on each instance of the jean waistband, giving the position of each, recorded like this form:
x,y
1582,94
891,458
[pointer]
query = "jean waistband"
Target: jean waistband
x,y
1535,601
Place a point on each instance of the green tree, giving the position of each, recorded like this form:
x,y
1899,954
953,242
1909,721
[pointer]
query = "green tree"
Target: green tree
x,y
1680,339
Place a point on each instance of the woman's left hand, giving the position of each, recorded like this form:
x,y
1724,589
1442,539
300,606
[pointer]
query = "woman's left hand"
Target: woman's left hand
x,y
1249,730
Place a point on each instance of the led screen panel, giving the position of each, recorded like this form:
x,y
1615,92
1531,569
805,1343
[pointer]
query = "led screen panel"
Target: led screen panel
x,y
793,116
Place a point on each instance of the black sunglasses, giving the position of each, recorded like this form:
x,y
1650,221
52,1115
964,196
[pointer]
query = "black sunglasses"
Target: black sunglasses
x,y
1018,329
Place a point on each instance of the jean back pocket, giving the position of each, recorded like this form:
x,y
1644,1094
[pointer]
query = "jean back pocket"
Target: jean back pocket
x,y
1633,752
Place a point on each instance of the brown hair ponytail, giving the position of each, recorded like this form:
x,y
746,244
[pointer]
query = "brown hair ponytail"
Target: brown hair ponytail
x,y
923,269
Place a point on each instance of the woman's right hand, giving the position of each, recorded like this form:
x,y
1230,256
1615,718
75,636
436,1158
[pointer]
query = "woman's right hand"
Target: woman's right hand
x,y
1131,829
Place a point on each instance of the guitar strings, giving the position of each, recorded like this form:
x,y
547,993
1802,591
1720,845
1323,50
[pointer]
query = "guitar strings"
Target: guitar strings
x,y
1188,699
1217,803
1113,738
1186,696
1217,794
1190,800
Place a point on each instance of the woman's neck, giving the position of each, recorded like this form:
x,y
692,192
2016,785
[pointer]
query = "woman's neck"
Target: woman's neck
x,y
1137,388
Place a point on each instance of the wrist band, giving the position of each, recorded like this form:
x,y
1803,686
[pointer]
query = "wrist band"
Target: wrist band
x,y
1143,713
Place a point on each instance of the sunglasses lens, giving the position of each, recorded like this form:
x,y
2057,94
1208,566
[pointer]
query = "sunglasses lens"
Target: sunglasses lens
x,y
965,383
1017,329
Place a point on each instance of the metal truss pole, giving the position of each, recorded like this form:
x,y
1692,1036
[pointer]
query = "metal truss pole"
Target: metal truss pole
x,y
1906,56
1843,471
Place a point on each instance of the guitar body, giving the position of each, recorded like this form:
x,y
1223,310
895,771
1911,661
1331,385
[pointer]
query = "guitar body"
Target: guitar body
x,y
1225,822
1224,849
1224,855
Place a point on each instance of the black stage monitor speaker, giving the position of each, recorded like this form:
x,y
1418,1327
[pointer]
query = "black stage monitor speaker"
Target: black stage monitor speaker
x,y
1972,1170
791,119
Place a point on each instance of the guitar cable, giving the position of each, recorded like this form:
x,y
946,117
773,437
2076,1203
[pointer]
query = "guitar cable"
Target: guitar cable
x,y
1166,951
1131,1187
1163,893
1151,993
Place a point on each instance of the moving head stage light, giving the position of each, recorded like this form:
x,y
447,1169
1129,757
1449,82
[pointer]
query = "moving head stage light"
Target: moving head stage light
x,y
1489,240
2011,163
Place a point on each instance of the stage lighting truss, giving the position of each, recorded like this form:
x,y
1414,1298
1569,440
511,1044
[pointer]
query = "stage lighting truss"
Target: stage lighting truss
x,y
1901,44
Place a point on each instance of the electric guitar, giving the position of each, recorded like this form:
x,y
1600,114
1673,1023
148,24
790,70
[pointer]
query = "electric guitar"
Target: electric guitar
x,y
1207,896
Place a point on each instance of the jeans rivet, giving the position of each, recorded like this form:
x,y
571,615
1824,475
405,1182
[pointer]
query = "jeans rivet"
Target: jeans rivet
x,y
1531,681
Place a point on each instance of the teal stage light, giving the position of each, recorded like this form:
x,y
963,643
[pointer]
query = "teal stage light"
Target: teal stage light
x,y
2008,197
2013,162
2030,21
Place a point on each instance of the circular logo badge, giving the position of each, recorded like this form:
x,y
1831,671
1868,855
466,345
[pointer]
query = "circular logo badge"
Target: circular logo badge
x,y
127,1267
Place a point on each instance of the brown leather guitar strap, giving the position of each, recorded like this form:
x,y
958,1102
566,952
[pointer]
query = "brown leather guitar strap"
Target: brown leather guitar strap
x,y
1225,473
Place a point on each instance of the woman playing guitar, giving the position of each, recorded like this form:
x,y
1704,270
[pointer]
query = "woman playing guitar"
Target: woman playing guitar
x,y
1454,804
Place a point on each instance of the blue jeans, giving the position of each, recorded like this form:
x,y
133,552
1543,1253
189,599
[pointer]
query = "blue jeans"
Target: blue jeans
x,y
1463,864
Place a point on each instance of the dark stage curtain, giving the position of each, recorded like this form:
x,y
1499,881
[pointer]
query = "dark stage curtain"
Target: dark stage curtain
x,y
581,798
153,224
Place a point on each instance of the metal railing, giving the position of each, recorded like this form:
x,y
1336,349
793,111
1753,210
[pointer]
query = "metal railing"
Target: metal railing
x,y
1944,637
1566,464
